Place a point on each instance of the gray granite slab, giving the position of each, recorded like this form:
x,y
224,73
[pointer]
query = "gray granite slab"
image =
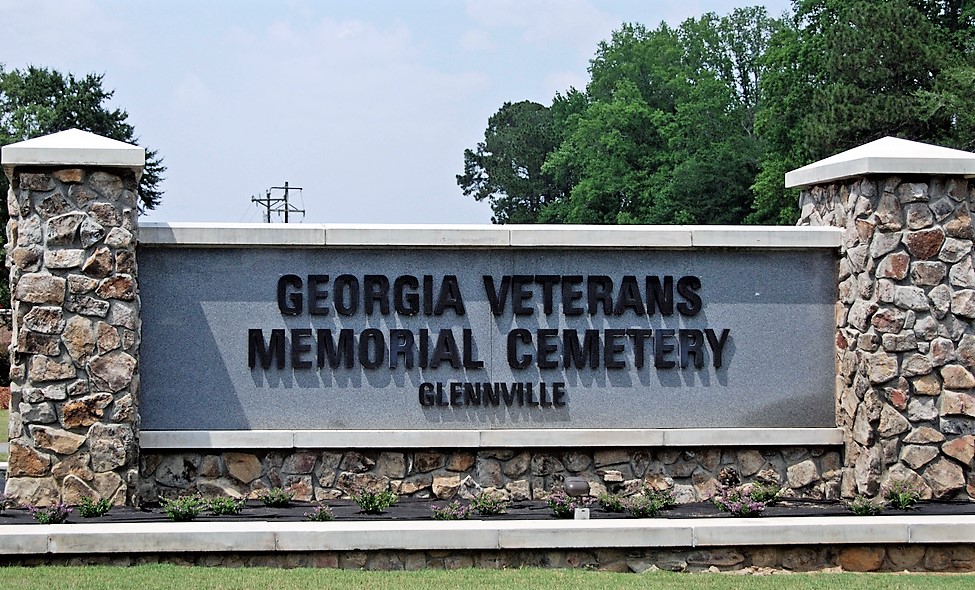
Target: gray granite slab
x,y
198,305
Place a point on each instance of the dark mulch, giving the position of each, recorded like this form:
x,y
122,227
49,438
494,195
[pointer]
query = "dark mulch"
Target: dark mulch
x,y
413,509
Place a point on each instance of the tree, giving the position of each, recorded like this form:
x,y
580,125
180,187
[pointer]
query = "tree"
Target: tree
x,y
506,168
668,134
40,101
849,72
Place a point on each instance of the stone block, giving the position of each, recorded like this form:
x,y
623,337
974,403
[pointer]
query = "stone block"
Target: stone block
x,y
961,449
925,244
861,559
957,377
945,478
56,440
802,474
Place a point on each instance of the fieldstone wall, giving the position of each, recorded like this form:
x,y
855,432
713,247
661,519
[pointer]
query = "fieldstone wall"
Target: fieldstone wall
x,y
756,560
74,382
905,339
691,474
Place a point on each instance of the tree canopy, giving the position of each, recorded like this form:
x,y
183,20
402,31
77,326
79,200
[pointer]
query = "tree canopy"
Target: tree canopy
x,y
41,101
699,123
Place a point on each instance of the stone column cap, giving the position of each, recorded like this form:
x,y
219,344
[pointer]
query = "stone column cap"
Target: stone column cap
x,y
73,147
888,155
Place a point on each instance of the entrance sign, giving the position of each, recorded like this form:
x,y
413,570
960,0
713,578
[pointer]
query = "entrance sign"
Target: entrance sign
x,y
394,338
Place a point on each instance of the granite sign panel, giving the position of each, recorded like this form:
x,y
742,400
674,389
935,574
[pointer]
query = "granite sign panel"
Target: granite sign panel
x,y
332,339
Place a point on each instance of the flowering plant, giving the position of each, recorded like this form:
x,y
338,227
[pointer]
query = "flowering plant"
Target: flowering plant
x,y
564,505
737,503
453,511
320,513
648,503
56,514
489,503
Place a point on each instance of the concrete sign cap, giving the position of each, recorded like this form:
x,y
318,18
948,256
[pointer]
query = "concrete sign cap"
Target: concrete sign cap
x,y
73,147
888,155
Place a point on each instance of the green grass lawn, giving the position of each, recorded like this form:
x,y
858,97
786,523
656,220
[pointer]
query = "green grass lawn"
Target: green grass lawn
x,y
167,576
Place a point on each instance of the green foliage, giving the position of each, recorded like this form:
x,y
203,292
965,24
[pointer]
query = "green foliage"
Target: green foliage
x,y
901,495
490,503
506,168
864,506
699,123
320,513
373,502
276,497
564,506
453,511
183,509
611,502
41,101
767,493
649,503
166,576
89,508
222,506
54,514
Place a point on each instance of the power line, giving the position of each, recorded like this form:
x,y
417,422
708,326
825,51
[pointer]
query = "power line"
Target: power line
x,y
279,205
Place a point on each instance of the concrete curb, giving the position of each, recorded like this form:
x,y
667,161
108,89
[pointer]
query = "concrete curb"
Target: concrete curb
x,y
271,537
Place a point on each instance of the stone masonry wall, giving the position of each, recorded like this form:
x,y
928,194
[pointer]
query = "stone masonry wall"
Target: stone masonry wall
x,y
756,560
522,474
74,384
905,340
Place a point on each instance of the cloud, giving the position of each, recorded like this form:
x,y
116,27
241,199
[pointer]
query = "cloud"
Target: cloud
x,y
562,81
193,92
546,22
477,41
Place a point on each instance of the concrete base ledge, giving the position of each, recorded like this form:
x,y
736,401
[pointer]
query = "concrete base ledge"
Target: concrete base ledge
x,y
262,536
235,235
430,439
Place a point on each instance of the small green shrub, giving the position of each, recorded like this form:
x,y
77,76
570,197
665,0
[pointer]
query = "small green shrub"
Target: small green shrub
x,y
453,511
901,495
276,498
766,493
490,503
55,514
864,506
183,509
89,508
223,506
648,504
665,498
373,502
611,502
320,513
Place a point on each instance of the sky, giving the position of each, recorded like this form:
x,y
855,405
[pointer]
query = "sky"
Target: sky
x,y
366,105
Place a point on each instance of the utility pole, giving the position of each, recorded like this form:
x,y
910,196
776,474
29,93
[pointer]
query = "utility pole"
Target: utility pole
x,y
278,204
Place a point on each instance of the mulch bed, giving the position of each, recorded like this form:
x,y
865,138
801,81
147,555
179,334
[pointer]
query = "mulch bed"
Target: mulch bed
x,y
413,509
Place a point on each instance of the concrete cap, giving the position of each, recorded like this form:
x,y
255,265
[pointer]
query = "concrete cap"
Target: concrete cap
x,y
73,147
889,155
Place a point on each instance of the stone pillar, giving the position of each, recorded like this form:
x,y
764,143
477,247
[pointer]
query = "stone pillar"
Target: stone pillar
x,y
71,243
905,317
